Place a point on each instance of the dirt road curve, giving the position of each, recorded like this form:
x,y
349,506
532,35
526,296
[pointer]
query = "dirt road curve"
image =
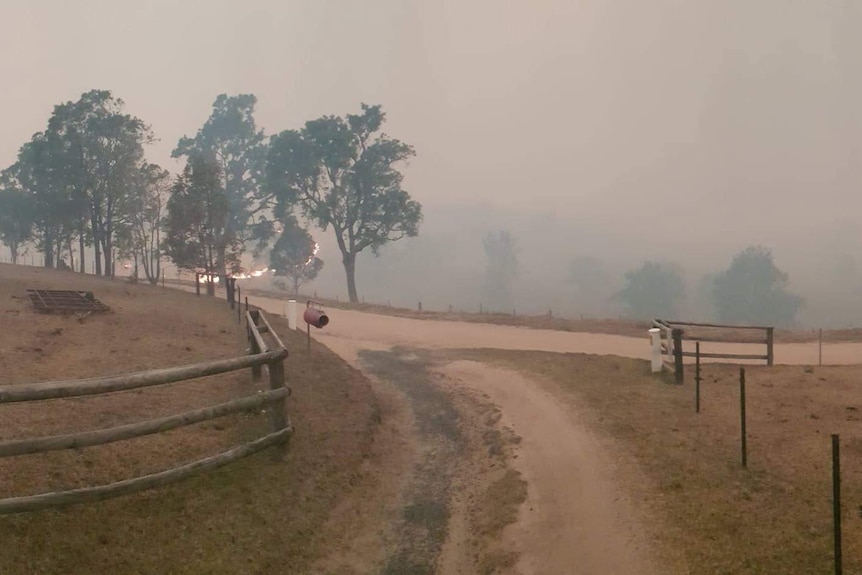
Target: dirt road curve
x,y
575,520
391,330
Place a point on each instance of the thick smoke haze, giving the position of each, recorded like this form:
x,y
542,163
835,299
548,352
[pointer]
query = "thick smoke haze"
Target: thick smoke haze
x,y
675,131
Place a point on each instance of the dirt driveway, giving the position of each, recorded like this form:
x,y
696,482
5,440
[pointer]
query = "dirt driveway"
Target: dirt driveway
x,y
575,518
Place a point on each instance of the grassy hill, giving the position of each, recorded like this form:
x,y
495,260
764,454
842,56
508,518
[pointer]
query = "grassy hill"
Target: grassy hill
x,y
254,516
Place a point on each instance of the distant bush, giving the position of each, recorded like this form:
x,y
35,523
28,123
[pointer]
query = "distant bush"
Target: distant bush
x,y
753,291
652,290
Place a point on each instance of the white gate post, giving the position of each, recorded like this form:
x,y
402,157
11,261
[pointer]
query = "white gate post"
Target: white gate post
x,y
655,349
291,314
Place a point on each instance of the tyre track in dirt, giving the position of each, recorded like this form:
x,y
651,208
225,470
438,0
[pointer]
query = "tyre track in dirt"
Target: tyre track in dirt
x,y
436,495
426,508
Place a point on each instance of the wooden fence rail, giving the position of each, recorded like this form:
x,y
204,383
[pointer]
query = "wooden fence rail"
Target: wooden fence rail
x,y
130,381
674,333
133,430
128,486
259,355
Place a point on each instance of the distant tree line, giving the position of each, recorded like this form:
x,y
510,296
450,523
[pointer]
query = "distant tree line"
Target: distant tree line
x,y
84,182
78,182
752,290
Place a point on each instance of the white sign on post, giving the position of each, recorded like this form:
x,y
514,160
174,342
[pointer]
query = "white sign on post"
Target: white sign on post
x,y
291,314
655,349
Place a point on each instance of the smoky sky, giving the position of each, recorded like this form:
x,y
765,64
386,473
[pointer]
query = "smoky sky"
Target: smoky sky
x,y
683,128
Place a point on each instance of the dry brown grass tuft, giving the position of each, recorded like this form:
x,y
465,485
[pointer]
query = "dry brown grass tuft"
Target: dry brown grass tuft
x,y
255,516
718,518
490,491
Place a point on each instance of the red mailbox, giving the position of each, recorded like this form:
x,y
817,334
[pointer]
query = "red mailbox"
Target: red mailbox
x,y
315,317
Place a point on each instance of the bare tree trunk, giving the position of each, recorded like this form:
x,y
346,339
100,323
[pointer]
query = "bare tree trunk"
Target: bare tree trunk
x,y
349,260
147,254
156,266
155,252
210,272
145,261
97,245
108,238
106,253
220,265
81,257
71,253
48,248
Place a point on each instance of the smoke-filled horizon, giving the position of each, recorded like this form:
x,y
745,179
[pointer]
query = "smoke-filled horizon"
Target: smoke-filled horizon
x,y
624,131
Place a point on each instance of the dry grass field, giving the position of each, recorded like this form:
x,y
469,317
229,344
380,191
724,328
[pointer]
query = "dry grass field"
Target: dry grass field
x,y
254,516
709,515
719,518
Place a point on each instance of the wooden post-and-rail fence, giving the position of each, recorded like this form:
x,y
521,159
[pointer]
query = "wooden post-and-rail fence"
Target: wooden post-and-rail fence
x,y
674,333
260,355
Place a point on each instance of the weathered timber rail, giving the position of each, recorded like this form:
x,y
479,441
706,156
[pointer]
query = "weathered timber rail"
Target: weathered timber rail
x,y
260,355
675,333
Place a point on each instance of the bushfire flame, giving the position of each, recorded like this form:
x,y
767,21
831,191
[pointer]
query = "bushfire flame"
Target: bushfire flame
x,y
259,273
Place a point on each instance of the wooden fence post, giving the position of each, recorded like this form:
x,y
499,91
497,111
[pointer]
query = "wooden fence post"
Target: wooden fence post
x,y
744,433
836,502
770,339
677,355
697,377
668,335
254,349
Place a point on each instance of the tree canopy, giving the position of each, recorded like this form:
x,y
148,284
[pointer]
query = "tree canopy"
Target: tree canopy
x,y
197,218
35,175
294,255
652,290
78,176
84,179
230,138
141,232
16,218
342,174
101,150
753,291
